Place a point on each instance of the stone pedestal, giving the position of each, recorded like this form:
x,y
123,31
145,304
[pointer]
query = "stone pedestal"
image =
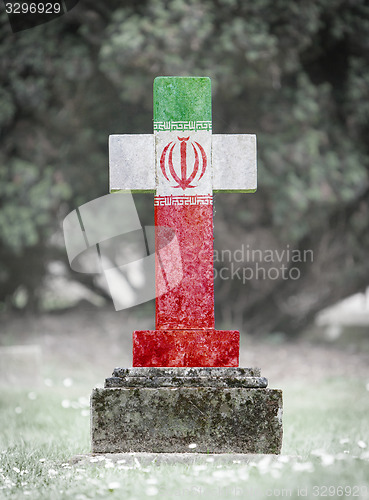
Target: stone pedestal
x,y
181,348
170,410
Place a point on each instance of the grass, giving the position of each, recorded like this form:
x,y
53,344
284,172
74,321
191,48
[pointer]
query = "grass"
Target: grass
x,y
325,451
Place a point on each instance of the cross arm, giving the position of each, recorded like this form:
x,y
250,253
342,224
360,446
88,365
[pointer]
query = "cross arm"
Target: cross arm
x,y
234,162
132,163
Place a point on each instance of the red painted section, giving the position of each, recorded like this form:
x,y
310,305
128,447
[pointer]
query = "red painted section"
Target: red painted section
x,y
190,305
185,348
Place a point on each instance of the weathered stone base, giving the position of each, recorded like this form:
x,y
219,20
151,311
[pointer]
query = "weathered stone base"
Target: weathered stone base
x,y
215,416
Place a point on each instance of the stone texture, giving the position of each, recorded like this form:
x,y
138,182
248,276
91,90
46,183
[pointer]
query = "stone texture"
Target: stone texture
x,y
185,348
186,372
188,377
251,382
191,303
217,420
234,162
132,162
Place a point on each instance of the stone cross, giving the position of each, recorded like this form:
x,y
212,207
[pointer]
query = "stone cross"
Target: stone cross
x,y
183,163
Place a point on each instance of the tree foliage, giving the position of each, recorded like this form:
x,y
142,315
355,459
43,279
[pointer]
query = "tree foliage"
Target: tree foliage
x,y
294,73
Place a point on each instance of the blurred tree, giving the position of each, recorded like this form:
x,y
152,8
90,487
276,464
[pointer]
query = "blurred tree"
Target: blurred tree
x,y
296,74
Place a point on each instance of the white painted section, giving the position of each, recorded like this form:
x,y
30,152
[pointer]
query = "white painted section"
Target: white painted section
x,y
132,162
234,162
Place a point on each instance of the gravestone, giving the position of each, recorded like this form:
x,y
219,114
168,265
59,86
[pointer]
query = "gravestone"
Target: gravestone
x,y
185,391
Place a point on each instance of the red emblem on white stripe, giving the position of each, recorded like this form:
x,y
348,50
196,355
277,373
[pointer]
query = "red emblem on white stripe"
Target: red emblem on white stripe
x,y
178,171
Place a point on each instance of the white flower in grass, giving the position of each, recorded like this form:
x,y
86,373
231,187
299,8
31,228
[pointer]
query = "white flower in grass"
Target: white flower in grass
x,y
275,473
327,460
220,473
26,492
94,459
303,467
277,465
84,402
243,474
210,459
114,485
32,396
199,467
42,460
124,467
318,453
109,465
121,461
18,410
341,456
264,464
152,480
15,469
192,446
361,444
8,482
65,403
67,382
85,413
52,472
344,440
367,386
152,491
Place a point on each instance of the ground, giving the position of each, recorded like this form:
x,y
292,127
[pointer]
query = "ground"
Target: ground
x,y
42,427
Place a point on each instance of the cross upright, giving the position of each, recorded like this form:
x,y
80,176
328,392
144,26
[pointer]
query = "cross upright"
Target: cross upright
x,y
183,163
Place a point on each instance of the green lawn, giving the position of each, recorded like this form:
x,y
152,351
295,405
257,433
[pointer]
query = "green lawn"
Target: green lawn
x,y
325,451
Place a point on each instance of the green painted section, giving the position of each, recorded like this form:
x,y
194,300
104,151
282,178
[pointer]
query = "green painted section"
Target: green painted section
x,y
112,191
234,190
182,98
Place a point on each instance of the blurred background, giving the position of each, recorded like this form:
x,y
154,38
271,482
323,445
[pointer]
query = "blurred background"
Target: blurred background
x,y
294,73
